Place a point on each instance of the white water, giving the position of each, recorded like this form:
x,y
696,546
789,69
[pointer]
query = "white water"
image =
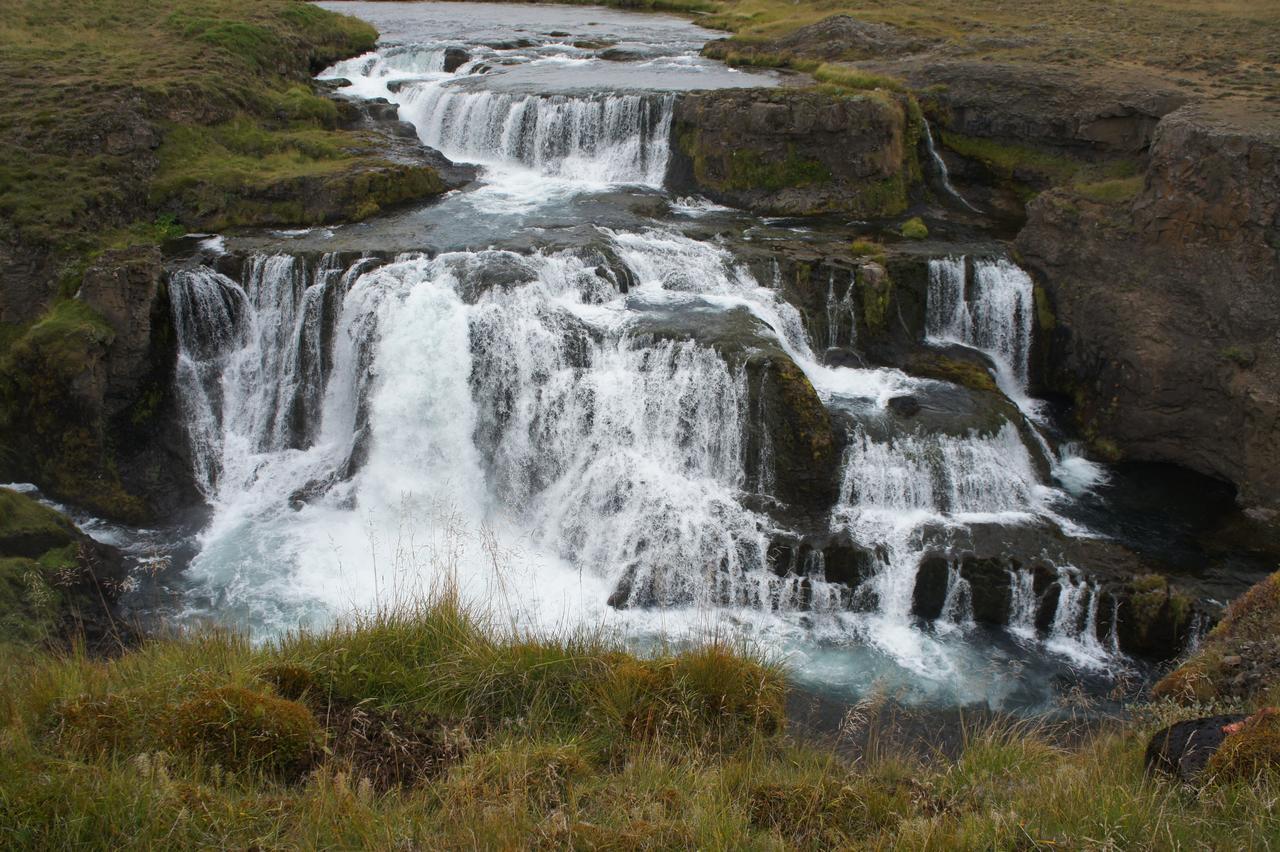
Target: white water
x,y
940,165
994,314
605,139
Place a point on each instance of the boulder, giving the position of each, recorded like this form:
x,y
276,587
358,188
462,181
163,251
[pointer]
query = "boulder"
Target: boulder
x,y
1184,749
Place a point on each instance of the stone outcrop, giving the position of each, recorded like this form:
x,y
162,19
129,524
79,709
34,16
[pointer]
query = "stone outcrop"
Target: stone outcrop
x,y
796,152
1167,305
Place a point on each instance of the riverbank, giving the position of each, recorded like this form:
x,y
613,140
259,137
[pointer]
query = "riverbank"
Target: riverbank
x,y
433,728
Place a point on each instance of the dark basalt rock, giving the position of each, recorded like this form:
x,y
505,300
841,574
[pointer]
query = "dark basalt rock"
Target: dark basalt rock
x,y
1183,749
1167,303
904,406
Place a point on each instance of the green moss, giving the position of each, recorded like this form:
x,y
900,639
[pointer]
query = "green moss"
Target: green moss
x,y
30,528
1249,752
748,170
1114,191
1243,357
1046,321
875,294
963,373
914,229
1011,161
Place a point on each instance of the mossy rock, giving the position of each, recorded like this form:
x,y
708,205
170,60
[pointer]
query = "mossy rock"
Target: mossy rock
x,y
1154,617
29,529
942,368
1250,751
1249,630
290,680
241,729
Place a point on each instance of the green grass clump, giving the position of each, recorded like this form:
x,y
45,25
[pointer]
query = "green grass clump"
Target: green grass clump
x,y
914,229
855,79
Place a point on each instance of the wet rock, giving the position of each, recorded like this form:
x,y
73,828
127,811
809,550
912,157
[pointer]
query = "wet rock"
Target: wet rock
x,y
931,588
904,406
1183,750
455,58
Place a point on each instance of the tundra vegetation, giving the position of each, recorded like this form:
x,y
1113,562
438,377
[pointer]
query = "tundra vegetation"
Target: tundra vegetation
x,y
435,727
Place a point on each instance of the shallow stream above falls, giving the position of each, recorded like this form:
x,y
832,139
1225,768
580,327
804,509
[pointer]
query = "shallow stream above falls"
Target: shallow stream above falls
x,y
576,399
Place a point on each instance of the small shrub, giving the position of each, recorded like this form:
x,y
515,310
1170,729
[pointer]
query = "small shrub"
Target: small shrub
x,y
245,730
915,228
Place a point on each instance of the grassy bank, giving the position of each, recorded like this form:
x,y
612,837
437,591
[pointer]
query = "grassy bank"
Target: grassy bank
x,y
436,729
128,122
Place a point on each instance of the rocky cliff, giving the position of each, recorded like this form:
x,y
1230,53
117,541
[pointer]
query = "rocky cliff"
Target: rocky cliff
x,y
1168,303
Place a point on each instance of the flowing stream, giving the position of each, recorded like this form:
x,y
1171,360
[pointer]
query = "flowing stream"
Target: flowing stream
x,y
569,425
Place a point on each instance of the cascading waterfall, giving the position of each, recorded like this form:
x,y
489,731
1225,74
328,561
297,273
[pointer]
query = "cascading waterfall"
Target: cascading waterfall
x,y
892,490
940,166
842,318
995,315
330,403
1074,631
593,138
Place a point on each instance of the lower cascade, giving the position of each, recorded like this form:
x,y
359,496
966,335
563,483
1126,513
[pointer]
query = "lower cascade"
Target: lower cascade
x,y
530,430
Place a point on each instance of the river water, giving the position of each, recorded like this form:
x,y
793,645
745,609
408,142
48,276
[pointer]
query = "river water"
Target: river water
x,y
523,392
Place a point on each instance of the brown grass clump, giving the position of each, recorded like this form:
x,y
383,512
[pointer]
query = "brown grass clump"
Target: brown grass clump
x,y
246,730
1251,750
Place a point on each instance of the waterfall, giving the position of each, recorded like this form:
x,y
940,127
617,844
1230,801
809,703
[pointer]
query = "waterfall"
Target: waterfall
x,y
399,62
957,605
592,138
1074,632
839,310
940,166
995,315
1023,603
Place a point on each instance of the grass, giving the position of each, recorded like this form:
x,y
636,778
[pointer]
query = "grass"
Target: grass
x,y
434,728
1211,46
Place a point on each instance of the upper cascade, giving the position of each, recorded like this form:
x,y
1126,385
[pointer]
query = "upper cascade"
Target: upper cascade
x,y
602,139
